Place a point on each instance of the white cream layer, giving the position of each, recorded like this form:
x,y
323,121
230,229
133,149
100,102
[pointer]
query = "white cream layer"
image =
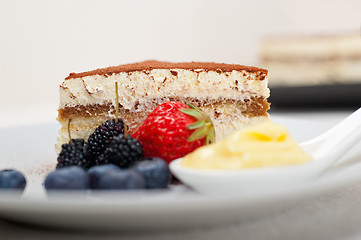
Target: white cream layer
x,y
139,87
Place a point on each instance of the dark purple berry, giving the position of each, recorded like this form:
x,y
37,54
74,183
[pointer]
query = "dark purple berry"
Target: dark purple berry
x,y
67,178
102,137
12,179
96,172
155,171
121,180
121,152
72,154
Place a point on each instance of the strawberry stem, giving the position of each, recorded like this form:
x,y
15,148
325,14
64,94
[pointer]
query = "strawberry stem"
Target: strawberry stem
x,y
116,102
125,131
70,141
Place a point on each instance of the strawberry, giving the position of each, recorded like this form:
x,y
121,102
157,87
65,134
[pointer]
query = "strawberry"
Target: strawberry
x,y
173,130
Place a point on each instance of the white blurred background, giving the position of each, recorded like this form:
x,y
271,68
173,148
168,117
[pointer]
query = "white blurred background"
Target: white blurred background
x,y
42,41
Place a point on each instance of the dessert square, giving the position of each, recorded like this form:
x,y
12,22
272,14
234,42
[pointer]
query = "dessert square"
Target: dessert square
x,y
234,96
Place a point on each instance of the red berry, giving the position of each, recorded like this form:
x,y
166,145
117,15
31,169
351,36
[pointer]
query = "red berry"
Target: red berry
x,y
173,130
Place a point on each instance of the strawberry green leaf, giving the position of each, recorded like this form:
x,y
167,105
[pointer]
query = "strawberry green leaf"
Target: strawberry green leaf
x,y
208,140
203,127
196,125
198,134
192,112
193,107
211,136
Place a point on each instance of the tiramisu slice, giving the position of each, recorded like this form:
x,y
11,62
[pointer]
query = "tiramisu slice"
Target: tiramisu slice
x,y
309,60
233,95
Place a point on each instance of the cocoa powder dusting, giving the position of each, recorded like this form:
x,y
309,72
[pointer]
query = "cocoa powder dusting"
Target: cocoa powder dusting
x,y
150,65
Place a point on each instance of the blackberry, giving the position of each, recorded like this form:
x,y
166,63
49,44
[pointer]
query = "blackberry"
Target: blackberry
x,y
102,137
72,154
121,152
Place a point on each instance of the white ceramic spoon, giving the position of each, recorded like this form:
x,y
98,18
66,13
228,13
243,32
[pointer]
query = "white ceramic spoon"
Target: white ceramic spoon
x,y
326,149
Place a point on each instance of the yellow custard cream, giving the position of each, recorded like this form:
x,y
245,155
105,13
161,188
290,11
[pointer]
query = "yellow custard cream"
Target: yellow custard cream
x,y
264,145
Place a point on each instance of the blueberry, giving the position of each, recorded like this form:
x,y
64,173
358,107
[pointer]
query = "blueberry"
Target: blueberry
x,y
67,178
12,179
96,172
123,179
155,171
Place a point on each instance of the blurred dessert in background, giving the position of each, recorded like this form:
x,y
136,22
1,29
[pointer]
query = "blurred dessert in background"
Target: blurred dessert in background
x,y
308,60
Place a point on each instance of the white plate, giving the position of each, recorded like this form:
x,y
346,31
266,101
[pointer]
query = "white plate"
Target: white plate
x,y
31,150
